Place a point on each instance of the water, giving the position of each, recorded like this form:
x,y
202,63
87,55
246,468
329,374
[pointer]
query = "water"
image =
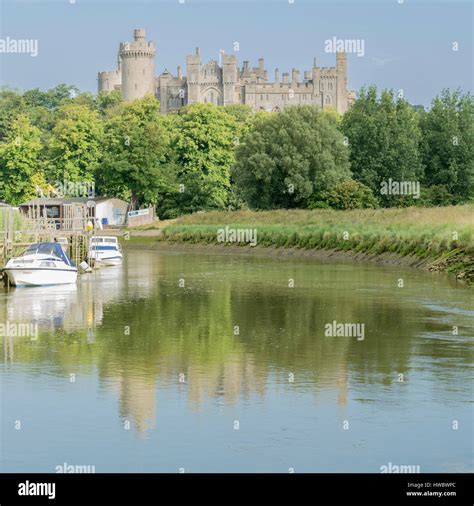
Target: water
x,y
141,368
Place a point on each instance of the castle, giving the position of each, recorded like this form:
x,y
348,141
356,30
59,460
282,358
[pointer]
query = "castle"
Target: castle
x,y
224,83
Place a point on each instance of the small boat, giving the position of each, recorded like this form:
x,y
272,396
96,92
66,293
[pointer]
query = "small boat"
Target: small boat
x,y
43,263
104,251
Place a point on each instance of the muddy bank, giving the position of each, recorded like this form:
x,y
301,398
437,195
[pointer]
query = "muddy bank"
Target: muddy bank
x,y
457,264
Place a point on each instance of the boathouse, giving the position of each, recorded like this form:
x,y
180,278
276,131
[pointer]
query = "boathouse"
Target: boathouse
x,y
73,213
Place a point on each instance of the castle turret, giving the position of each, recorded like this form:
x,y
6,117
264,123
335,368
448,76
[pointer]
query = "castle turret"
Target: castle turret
x,y
341,67
193,71
295,76
109,81
230,78
277,76
138,66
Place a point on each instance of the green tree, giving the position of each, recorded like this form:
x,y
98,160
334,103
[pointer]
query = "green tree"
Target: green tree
x,y
204,143
52,98
135,162
11,105
447,146
288,156
75,144
108,101
20,164
384,136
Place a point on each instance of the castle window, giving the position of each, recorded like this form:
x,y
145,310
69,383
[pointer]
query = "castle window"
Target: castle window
x,y
330,86
321,85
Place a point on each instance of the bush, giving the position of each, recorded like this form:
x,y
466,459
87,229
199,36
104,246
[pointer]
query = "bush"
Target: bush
x,y
348,194
436,195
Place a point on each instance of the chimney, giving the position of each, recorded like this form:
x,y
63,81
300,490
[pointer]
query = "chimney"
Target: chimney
x,y
314,63
277,76
295,76
261,63
198,52
180,74
286,77
265,75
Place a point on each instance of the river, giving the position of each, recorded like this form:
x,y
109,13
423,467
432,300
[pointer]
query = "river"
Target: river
x,y
184,362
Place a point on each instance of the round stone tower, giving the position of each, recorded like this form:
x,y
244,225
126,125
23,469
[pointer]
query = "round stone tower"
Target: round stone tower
x,y
137,66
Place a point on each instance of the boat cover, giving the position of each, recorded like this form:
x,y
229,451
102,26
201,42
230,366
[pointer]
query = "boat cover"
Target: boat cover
x,y
49,248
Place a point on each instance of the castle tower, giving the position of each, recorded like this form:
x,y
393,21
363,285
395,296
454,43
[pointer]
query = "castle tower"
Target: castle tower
x,y
341,96
110,80
138,66
193,72
230,78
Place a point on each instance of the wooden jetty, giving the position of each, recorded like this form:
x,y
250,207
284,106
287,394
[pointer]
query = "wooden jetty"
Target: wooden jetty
x,y
19,231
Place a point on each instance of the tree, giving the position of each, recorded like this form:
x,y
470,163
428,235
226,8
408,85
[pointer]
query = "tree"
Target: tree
x,y
52,98
288,156
447,146
105,101
11,105
20,161
75,144
384,136
135,163
204,143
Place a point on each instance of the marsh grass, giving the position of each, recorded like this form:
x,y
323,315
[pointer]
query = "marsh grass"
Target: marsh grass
x,y
423,232
443,237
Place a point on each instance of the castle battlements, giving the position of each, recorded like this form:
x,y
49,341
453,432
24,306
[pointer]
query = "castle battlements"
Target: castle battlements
x,y
223,82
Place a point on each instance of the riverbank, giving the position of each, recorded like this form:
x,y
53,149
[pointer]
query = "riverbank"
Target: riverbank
x,y
437,239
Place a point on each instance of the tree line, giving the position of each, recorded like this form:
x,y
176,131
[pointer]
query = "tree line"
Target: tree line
x,y
206,157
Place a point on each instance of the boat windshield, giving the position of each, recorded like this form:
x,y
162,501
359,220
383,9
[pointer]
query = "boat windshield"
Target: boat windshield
x,y
103,244
49,248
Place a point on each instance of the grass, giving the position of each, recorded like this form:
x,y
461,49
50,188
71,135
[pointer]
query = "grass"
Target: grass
x,y
18,220
443,235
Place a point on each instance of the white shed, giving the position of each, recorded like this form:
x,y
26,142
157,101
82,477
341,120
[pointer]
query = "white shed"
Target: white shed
x,y
110,211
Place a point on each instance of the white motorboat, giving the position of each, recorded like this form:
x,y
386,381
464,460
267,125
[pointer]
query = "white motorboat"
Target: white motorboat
x,y
104,250
43,263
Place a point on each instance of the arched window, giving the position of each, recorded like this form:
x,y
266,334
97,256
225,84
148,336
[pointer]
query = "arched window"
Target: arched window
x,y
213,96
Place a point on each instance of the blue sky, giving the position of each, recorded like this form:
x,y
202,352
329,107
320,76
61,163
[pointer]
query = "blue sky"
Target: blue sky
x,y
407,46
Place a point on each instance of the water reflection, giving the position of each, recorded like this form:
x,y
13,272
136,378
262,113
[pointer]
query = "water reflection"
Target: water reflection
x,y
234,333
